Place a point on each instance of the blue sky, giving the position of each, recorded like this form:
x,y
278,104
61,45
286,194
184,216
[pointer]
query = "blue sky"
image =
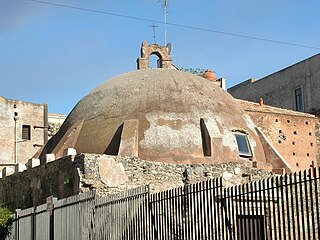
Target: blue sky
x,y
57,55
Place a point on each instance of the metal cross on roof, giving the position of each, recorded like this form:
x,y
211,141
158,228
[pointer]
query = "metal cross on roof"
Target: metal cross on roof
x,y
154,31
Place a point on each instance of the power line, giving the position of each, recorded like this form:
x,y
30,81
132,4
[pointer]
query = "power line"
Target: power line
x,y
176,24
253,88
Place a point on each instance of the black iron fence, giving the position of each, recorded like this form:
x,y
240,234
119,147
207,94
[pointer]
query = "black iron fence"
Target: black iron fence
x,y
281,207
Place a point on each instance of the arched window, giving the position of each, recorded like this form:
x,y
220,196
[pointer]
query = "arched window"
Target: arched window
x,y
154,61
147,59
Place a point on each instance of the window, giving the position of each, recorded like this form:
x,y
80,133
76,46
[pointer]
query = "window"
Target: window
x,y
298,99
26,133
251,227
243,144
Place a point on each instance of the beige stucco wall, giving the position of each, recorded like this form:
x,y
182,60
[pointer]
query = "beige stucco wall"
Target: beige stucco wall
x,y
277,89
28,114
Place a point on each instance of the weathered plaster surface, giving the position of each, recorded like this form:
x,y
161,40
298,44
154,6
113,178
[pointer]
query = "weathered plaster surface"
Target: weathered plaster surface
x,y
293,134
168,135
168,106
28,114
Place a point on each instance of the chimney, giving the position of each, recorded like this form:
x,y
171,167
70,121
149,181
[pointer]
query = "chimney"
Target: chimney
x,y
209,75
261,102
212,77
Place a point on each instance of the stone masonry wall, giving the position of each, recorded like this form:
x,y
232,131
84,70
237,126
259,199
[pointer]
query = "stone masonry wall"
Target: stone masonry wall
x,y
32,186
69,176
55,121
159,176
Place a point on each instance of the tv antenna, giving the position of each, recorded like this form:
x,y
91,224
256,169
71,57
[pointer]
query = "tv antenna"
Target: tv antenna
x,y
154,32
164,20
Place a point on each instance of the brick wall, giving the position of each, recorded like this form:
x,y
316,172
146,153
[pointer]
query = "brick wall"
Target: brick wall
x,y
293,136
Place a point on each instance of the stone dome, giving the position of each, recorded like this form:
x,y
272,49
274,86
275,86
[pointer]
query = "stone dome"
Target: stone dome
x,y
158,115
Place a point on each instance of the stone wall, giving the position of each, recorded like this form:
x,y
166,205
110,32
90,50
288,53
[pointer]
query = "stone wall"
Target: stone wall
x,y
159,176
109,174
31,187
55,121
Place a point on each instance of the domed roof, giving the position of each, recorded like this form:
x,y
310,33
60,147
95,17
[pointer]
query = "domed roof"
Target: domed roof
x,y
159,115
148,90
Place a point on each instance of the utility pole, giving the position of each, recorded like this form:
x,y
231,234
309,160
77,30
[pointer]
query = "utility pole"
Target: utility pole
x,y
15,118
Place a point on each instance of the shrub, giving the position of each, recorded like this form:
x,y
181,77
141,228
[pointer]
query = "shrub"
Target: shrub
x,y
5,222
196,71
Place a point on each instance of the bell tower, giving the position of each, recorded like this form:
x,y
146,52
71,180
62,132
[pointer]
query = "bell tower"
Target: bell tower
x,y
164,60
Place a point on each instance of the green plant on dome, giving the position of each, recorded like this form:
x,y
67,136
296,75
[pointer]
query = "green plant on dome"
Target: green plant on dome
x,y
196,71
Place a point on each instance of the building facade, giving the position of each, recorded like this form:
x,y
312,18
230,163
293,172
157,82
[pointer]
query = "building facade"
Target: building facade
x,y
177,117
295,87
153,126
24,128
292,134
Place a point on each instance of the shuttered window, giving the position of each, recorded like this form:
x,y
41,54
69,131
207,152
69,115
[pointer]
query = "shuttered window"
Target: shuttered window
x,y
26,133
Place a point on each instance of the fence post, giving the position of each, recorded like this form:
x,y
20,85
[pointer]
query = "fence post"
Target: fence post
x,y
17,235
50,208
33,223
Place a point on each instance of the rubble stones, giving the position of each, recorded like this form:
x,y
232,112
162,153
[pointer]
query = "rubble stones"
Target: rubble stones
x,y
160,176
111,173
53,129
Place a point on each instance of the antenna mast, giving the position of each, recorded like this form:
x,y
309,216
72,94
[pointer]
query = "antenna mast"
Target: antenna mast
x,y
165,21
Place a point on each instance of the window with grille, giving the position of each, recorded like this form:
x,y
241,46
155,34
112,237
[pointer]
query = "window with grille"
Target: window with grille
x,y
251,227
26,132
